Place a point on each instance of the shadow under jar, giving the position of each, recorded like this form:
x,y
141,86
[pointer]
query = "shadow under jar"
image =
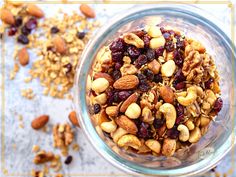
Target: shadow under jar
x,y
212,147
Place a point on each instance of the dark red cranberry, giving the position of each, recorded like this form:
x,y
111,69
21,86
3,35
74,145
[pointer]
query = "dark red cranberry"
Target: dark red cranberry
x,y
117,56
159,51
149,74
167,36
25,31
158,123
157,78
173,133
144,131
142,60
144,87
150,54
118,65
146,41
169,46
179,119
116,97
179,85
68,160
218,105
178,58
18,21
109,93
96,108
117,45
31,24
68,68
54,30
163,30
22,39
179,109
123,95
133,52
208,83
140,33
180,43
12,31
179,76
81,35
116,74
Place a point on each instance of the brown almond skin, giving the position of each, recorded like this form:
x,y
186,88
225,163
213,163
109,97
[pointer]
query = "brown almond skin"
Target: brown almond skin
x,y
34,10
23,56
167,94
73,118
127,124
7,17
87,11
104,75
126,82
59,44
39,122
131,99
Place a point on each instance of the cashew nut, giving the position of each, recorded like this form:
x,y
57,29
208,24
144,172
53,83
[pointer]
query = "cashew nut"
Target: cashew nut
x,y
154,145
189,123
184,133
168,147
118,133
169,113
195,135
190,98
204,121
100,85
129,140
154,31
168,68
108,126
101,99
133,39
157,42
147,115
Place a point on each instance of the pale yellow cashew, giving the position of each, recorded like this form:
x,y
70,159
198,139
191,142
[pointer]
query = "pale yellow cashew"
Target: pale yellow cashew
x,y
108,126
204,121
184,133
190,97
189,123
195,135
154,145
169,113
129,140
168,147
118,133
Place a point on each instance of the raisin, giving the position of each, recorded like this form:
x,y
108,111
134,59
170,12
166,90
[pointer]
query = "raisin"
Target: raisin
x,y
158,123
31,24
218,105
142,60
117,45
208,83
149,74
133,52
173,133
179,109
23,39
116,74
159,51
117,56
157,78
144,131
144,87
68,68
179,119
123,95
54,30
178,85
96,108
68,160
118,65
179,76
12,31
18,21
81,35
150,54
169,46
178,58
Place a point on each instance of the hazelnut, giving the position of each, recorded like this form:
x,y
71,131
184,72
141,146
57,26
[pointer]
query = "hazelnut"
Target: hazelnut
x,y
133,111
100,85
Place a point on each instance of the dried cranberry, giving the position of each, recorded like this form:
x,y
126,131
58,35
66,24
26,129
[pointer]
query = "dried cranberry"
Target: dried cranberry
x,y
25,31
169,46
218,105
159,51
123,95
109,93
18,21
116,97
149,74
68,68
68,160
158,123
144,87
144,131
54,30
178,58
173,133
12,31
118,65
180,43
178,85
23,39
157,78
117,56
31,24
116,74
96,108
81,35
142,59
167,36
179,119
146,41
141,77
179,76
133,52
163,30
117,45
208,83
179,109
150,54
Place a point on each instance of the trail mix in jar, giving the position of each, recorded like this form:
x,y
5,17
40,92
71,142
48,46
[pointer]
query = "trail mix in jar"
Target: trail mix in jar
x,y
154,91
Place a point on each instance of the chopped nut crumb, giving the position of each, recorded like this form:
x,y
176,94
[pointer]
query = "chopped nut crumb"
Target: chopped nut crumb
x,y
35,148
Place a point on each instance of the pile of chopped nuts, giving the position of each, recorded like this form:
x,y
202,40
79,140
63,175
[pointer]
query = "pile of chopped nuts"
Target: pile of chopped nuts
x,y
154,91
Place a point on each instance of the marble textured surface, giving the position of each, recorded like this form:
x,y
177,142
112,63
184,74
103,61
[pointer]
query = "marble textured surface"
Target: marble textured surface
x,y
17,156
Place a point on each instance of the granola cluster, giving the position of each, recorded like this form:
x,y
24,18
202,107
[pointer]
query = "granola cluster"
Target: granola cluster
x,y
154,91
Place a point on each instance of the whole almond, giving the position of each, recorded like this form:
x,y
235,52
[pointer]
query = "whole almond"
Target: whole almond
x,y
126,82
34,10
167,94
87,11
59,44
73,118
7,17
104,75
39,122
127,124
23,56
131,99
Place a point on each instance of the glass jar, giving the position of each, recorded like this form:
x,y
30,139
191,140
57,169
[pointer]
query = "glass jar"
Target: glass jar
x,y
213,146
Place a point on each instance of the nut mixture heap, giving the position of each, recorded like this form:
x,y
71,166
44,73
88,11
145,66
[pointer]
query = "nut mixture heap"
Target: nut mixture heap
x,y
154,91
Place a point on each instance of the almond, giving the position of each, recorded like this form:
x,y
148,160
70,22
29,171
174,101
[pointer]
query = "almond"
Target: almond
x,y
127,124
34,10
59,44
87,11
104,75
7,17
167,94
112,111
73,118
39,122
131,99
23,56
126,82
